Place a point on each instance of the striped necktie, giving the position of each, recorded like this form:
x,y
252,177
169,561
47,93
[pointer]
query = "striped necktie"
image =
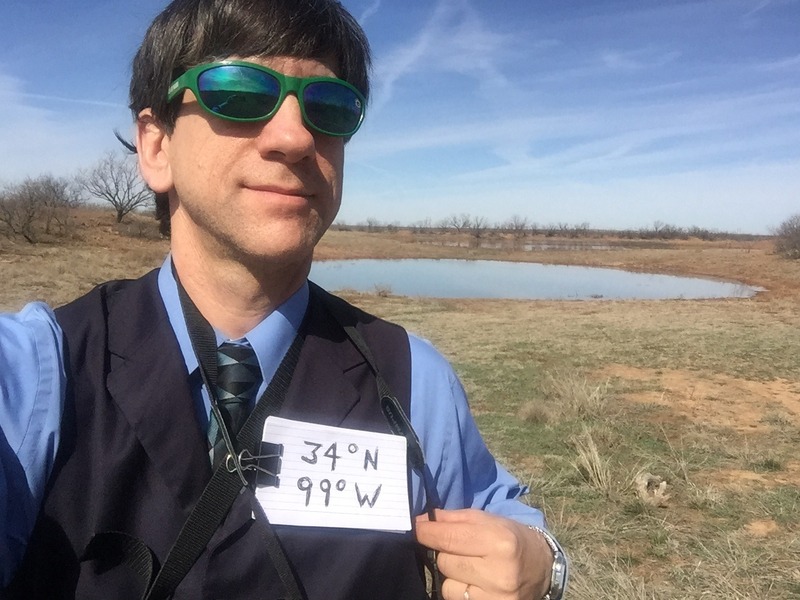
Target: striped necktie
x,y
238,379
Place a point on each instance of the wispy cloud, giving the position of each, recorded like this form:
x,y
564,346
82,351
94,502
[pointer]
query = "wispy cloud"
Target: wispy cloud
x,y
453,39
759,6
369,12
619,61
63,100
790,63
41,138
658,135
642,102
635,60
755,11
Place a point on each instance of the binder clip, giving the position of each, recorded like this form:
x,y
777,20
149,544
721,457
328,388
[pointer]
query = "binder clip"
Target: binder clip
x,y
266,464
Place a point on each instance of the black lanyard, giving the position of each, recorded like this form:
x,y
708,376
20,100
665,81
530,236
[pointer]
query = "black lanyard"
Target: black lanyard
x,y
228,480
399,422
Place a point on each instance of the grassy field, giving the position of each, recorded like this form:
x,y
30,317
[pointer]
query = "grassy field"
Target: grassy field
x,y
660,437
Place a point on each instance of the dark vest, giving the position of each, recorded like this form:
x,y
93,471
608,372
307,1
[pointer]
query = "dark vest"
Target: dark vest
x,y
134,459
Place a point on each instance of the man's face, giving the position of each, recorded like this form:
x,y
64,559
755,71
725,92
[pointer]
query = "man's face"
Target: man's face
x,y
252,192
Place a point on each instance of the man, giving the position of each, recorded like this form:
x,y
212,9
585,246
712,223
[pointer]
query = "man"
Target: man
x,y
242,109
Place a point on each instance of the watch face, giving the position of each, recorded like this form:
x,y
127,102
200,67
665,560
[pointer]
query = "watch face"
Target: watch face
x,y
558,577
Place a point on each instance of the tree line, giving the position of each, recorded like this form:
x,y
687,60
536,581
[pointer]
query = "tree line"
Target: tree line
x,y
786,236
520,227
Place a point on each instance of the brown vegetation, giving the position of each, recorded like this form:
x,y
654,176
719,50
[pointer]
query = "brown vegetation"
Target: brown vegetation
x,y
787,237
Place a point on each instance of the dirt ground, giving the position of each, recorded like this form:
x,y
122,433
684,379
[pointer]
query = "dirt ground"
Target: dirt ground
x,y
747,407
718,400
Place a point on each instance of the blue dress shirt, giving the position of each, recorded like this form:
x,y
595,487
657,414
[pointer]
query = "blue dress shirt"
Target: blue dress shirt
x,y
32,388
32,382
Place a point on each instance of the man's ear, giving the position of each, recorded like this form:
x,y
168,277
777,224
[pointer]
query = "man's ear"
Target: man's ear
x,y
152,147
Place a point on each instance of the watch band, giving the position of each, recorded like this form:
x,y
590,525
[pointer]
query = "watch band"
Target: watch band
x,y
558,574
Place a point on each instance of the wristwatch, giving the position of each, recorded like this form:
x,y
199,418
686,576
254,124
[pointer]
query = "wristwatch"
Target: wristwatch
x,y
558,574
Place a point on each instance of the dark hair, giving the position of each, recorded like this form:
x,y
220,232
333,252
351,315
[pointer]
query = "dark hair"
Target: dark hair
x,y
190,32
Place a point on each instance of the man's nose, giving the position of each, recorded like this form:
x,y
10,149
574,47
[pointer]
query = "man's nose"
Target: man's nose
x,y
286,132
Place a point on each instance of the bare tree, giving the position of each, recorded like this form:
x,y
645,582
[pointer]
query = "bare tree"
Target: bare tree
x,y
59,197
579,230
478,227
518,226
787,237
459,222
453,222
422,226
115,179
41,203
663,231
19,212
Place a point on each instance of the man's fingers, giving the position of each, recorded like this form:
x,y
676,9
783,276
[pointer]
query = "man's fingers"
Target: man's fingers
x,y
498,556
463,515
461,568
464,532
454,590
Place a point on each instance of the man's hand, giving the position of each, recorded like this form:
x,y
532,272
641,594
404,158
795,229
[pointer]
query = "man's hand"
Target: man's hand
x,y
499,559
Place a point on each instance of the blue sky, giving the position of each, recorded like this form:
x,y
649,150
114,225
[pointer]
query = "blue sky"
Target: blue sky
x,y
613,113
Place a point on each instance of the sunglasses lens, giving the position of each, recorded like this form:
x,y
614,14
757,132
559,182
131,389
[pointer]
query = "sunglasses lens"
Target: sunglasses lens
x,y
238,92
333,107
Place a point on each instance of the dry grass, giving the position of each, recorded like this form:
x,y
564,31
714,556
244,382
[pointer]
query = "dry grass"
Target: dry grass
x,y
565,393
591,466
59,271
581,398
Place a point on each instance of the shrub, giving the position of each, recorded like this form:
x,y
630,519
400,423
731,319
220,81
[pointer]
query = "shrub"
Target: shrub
x,y
787,242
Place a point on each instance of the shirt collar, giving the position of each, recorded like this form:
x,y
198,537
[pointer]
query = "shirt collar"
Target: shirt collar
x,y
270,339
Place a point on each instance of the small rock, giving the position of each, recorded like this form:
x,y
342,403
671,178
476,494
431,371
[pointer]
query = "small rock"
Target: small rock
x,y
651,489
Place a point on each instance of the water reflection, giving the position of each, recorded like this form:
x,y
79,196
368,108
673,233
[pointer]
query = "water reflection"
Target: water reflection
x,y
494,279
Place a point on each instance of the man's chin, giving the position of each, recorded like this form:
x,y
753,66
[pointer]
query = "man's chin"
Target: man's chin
x,y
288,255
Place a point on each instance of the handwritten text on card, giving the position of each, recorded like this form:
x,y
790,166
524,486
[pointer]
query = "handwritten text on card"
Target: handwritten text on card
x,y
336,477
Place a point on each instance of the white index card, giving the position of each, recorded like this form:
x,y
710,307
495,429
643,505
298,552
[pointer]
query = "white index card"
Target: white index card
x,y
336,477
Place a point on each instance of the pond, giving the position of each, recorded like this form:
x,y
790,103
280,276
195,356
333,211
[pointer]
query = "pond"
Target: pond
x,y
446,278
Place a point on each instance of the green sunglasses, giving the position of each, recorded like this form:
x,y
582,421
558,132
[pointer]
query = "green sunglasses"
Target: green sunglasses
x,y
246,92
